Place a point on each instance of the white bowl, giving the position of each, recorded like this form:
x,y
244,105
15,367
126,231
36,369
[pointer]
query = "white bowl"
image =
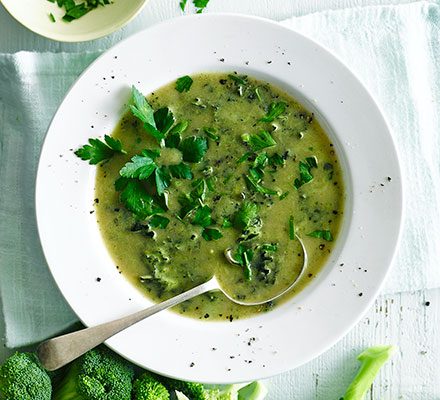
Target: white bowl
x,y
34,15
303,327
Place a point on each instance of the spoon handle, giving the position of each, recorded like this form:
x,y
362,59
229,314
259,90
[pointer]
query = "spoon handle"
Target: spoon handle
x,y
57,352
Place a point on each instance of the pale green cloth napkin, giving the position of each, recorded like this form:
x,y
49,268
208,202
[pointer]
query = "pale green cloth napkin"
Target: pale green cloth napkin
x,y
394,50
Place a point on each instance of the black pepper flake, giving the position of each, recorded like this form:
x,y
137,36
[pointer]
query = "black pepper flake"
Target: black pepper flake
x,y
321,246
360,294
289,63
231,318
269,62
382,184
214,348
98,279
116,210
96,200
222,60
231,357
191,365
389,179
206,316
341,264
91,212
310,275
247,62
427,303
222,81
228,369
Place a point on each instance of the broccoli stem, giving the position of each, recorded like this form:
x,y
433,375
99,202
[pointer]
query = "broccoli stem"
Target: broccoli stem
x,y
371,360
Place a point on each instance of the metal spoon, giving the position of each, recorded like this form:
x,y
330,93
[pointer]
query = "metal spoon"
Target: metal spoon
x,y
57,352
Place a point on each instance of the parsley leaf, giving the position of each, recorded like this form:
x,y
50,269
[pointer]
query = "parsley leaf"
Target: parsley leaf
x,y
243,256
211,234
164,119
193,148
202,217
226,223
182,4
157,221
259,141
305,174
275,110
291,228
142,110
136,199
211,133
240,80
141,166
255,186
322,234
180,127
172,141
163,179
201,5
181,171
183,84
246,215
98,151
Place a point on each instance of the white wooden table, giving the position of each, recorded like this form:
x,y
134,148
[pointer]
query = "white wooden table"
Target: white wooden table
x,y
410,320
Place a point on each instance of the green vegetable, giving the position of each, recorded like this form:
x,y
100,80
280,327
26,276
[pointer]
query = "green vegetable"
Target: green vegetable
x,y
192,390
157,221
211,133
147,387
371,360
164,119
305,174
142,110
163,179
275,110
52,17
259,141
23,378
98,151
254,391
182,4
181,171
246,216
136,199
75,11
193,149
291,228
141,166
98,375
200,5
240,80
202,217
211,234
321,234
180,127
243,256
255,186
183,84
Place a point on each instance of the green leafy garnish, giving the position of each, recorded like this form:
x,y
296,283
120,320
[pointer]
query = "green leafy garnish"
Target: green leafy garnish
x,y
226,223
276,160
158,221
275,110
180,127
52,17
193,148
254,185
164,119
269,247
243,256
211,234
141,166
259,141
284,195
291,228
172,141
200,5
240,80
75,11
321,234
244,157
246,215
181,171
142,110
182,4
98,151
212,134
183,84
305,175
136,199
372,360
163,179
202,217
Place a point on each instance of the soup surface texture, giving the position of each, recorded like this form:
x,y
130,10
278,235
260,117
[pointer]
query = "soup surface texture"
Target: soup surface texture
x,y
233,163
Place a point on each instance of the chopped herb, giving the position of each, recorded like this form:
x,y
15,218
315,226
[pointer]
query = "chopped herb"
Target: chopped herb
x,y
52,17
136,199
211,133
305,175
256,173
312,161
202,217
276,159
321,234
193,149
141,166
240,80
142,110
284,195
163,179
226,223
157,221
182,4
269,247
259,141
261,160
181,171
75,11
243,256
172,141
275,110
291,228
164,119
179,127
257,93
200,188
246,215
211,234
183,84
200,5
255,186
244,157
97,151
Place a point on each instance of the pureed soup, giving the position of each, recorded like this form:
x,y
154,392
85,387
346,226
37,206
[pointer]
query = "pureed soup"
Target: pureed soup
x,y
222,179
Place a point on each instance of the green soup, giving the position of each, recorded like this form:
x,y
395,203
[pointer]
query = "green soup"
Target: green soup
x,y
243,167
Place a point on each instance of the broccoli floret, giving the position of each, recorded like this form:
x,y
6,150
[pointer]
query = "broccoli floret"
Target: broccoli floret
x,y
98,375
192,390
22,377
147,387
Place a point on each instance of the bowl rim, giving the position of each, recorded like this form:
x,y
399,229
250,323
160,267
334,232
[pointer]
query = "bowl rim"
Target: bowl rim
x,y
66,38
399,206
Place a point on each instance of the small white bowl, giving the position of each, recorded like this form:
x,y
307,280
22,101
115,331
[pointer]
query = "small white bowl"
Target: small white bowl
x,y
35,15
